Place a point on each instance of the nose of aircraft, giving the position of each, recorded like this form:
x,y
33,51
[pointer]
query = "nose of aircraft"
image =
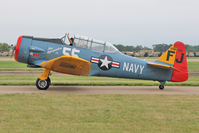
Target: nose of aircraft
x,y
18,48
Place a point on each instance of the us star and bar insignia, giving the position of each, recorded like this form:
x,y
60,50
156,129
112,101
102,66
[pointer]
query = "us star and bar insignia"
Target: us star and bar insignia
x,y
105,62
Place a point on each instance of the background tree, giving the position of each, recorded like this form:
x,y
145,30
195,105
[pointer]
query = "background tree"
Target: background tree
x,y
161,47
4,47
120,47
137,48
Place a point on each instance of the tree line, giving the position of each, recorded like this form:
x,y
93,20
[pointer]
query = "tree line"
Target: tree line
x,y
156,47
4,47
137,48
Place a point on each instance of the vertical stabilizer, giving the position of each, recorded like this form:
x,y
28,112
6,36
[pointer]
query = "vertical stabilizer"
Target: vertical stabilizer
x,y
176,57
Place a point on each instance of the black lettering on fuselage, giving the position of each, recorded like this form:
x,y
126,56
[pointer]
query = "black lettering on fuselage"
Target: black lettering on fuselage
x,y
181,59
169,54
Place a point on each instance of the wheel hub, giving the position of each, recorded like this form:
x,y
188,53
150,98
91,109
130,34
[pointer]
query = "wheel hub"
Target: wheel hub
x,y
42,83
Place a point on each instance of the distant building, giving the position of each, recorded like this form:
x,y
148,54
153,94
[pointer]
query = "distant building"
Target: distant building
x,y
196,54
128,53
143,53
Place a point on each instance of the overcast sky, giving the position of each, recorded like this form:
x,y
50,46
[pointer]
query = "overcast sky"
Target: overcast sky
x,y
129,22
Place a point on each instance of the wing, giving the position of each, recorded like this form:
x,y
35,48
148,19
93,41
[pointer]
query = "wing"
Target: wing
x,y
68,65
162,66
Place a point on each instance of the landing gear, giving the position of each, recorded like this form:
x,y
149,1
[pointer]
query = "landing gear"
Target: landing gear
x,y
161,86
43,82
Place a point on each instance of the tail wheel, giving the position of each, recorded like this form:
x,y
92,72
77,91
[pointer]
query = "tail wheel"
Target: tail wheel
x,y
161,87
43,84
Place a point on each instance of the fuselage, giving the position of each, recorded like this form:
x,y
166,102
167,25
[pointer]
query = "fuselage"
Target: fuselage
x,y
33,51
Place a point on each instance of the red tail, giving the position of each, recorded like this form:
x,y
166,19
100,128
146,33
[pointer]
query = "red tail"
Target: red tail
x,y
180,63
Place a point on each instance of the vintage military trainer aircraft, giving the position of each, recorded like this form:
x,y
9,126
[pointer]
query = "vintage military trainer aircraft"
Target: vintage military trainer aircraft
x,y
86,56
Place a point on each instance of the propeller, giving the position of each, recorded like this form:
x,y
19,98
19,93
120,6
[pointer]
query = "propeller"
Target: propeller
x,y
13,49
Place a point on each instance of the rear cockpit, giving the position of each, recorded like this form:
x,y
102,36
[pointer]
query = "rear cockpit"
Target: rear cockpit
x,y
92,44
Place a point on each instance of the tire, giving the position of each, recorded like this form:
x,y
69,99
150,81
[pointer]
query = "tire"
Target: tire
x,y
49,80
161,87
43,84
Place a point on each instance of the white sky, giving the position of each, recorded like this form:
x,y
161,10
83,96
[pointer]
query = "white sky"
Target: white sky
x,y
130,22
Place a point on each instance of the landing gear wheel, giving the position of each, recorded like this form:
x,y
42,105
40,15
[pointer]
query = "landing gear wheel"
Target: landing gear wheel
x,y
161,87
49,80
43,84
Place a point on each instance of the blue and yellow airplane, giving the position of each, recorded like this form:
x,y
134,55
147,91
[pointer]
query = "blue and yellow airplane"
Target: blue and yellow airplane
x,y
90,57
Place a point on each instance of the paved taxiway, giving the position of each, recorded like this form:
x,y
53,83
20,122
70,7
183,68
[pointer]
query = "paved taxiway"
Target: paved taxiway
x,y
170,90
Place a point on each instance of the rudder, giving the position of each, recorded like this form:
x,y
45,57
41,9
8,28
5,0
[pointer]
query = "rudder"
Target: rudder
x,y
180,63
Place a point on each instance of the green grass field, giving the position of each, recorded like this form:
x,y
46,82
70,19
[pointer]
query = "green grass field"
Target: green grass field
x,y
6,57
84,80
193,66
15,66
55,113
51,113
80,80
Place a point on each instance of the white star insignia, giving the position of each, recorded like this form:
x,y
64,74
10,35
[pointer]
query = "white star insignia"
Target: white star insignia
x,y
105,62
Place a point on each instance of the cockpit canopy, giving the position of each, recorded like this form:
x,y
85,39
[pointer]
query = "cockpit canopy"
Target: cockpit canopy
x,y
93,44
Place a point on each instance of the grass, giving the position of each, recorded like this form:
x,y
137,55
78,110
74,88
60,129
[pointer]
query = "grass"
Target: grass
x,y
12,64
52,113
15,66
81,80
193,66
84,80
7,57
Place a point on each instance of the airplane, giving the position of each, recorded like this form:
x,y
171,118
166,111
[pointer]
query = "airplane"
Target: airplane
x,y
91,57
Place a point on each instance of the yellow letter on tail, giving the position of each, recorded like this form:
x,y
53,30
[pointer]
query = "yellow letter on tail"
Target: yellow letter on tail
x,y
168,56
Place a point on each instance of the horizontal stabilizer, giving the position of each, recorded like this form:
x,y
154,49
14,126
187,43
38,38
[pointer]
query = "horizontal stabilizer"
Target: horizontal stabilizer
x,y
163,66
68,65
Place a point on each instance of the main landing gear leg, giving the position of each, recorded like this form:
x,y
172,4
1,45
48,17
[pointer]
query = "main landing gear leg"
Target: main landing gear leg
x,y
43,82
161,86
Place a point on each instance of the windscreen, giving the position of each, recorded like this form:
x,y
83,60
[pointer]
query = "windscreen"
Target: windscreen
x,y
109,48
